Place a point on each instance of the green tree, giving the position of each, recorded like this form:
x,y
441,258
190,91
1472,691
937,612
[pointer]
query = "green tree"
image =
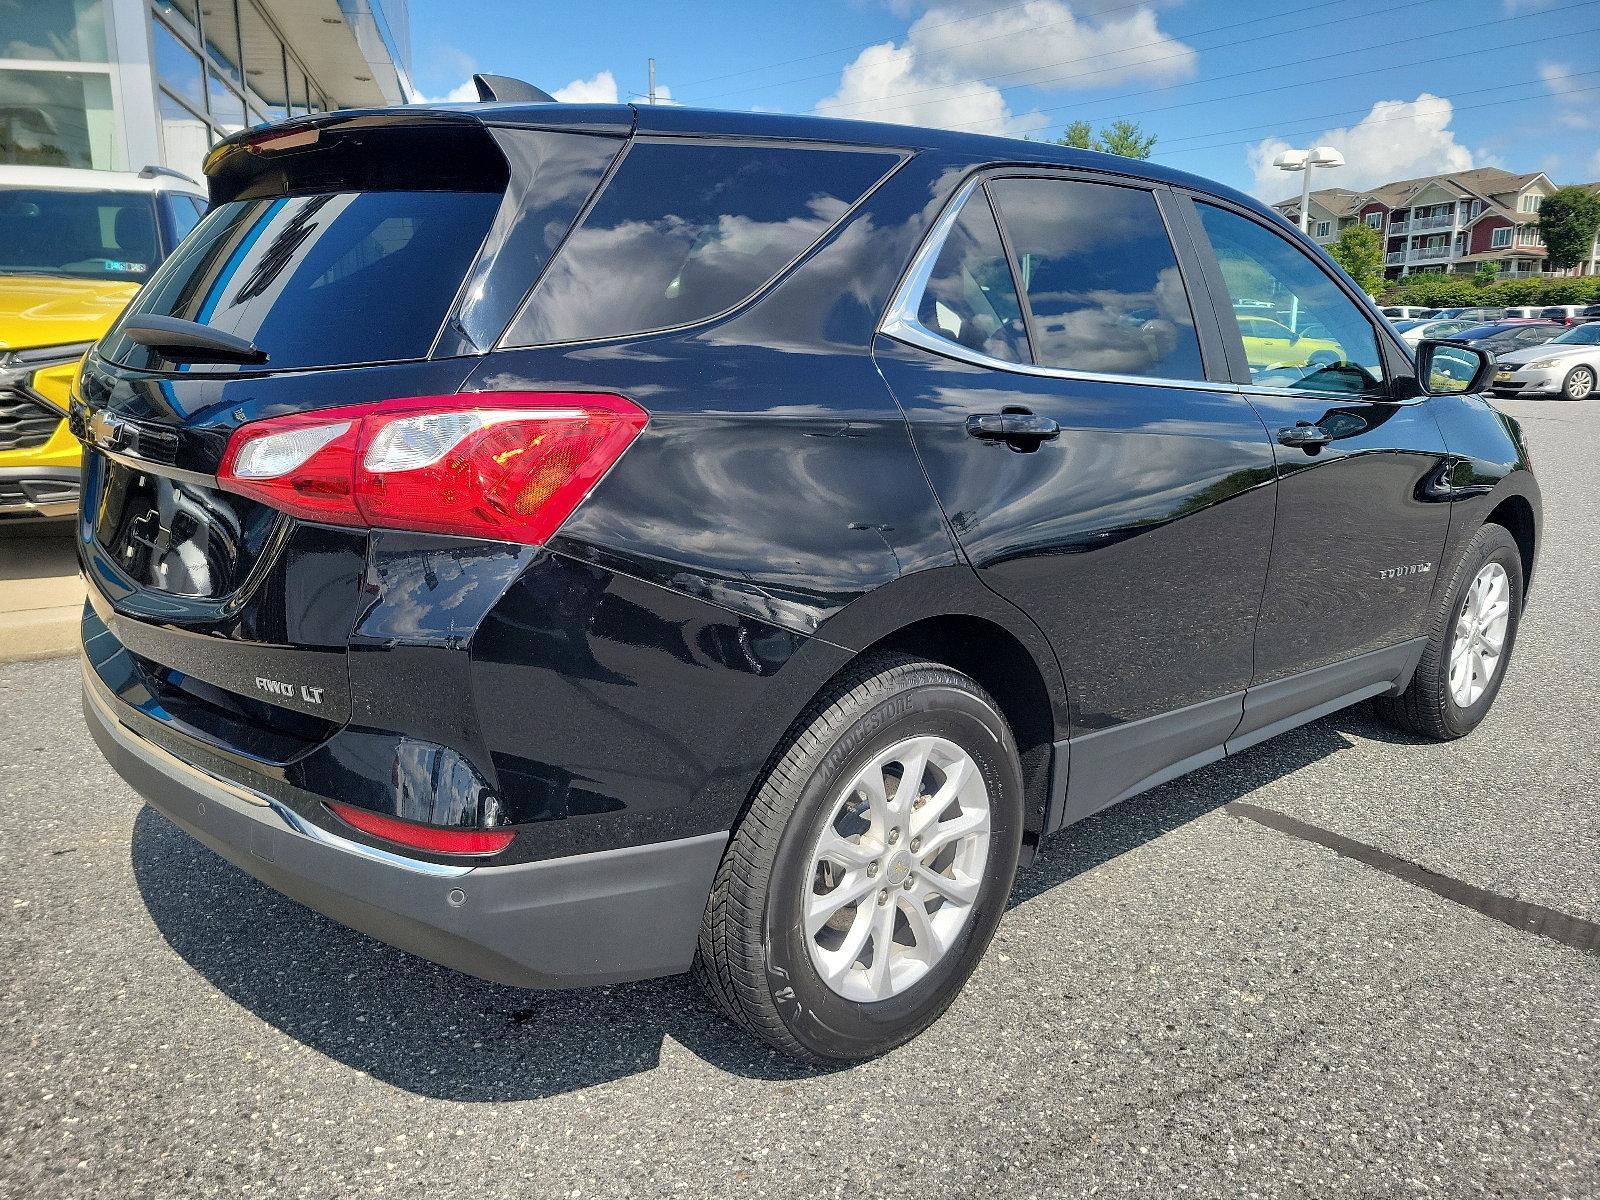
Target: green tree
x,y
1119,137
1079,136
1127,139
1569,220
1359,251
1486,274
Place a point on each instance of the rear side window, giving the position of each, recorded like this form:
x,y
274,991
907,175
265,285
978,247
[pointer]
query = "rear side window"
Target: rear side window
x,y
1101,278
331,279
970,297
685,230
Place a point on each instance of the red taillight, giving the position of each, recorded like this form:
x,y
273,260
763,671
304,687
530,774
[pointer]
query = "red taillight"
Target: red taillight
x,y
423,837
505,465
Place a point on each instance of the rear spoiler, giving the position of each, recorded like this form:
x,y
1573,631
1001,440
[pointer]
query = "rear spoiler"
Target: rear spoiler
x,y
503,87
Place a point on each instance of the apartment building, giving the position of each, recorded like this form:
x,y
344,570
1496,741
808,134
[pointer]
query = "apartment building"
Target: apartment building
x,y
119,84
1447,223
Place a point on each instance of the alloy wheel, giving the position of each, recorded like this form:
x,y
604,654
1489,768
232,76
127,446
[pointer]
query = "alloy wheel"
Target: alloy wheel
x,y
1580,384
896,868
1480,639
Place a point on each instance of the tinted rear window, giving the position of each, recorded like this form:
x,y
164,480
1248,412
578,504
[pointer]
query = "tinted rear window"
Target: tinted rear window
x,y
1101,278
330,279
686,230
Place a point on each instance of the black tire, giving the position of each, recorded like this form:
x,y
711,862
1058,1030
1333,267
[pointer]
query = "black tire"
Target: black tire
x,y
1580,377
1427,706
753,957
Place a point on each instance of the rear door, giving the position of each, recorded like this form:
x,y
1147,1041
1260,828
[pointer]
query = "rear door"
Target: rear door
x,y
1059,385
1361,520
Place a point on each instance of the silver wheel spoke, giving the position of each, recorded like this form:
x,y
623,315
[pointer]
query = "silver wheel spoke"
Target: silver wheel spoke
x,y
953,830
914,764
843,851
930,946
836,964
878,973
962,891
820,909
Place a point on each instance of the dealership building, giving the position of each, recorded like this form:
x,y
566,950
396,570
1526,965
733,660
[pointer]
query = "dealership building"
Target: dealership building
x,y
120,84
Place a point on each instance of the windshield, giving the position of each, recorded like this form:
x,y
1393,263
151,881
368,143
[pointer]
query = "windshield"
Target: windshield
x,y
90,235
1578,335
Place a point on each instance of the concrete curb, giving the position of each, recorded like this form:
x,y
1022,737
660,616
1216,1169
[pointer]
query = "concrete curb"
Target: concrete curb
x,y
39,633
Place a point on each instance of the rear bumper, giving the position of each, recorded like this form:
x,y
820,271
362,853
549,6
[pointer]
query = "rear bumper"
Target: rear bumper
x,y
38,492
605,917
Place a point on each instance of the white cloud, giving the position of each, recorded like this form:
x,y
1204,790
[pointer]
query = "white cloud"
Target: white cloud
x,y
1398,139
1562,79
602,89
936,75
1558,77
463,93
1594,166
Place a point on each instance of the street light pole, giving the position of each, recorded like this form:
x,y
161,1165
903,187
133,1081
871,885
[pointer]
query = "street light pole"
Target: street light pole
x,y
1303,161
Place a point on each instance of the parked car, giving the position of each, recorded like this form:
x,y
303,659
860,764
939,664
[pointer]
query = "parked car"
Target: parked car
x,y
1568,365
1472,314
74,247
577,543
1436,329
1405,312
1566,314
1497,337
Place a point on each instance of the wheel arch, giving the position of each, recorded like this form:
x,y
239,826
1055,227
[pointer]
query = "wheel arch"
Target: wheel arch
x,y
1515,514
947,616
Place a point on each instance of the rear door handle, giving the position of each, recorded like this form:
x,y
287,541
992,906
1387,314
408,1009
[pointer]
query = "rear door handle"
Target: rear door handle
x,y
1019,428
1304,434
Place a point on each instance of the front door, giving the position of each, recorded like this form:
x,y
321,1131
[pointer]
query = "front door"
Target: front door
x,y
1360,523
1091,471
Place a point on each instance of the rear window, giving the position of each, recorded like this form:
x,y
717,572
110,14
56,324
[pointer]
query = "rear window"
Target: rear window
x,y
686,230
329,279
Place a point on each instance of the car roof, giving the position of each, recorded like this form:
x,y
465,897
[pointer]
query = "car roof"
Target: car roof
x,y
151,179
706,122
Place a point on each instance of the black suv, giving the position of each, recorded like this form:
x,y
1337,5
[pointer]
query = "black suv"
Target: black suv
x,y
577,544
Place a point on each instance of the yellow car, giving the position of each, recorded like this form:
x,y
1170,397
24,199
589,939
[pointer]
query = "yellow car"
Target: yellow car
x,y
1271,343
74,247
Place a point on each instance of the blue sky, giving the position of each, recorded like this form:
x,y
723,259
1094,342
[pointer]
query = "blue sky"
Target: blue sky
x,y
1402,87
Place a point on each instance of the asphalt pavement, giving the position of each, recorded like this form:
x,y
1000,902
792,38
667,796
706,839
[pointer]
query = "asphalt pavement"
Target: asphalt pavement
x,y
1187,998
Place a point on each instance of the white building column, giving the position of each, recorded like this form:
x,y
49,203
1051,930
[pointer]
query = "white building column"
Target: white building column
x,y
133,82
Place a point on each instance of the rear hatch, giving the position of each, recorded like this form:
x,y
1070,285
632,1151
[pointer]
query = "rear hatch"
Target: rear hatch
x,y
367,257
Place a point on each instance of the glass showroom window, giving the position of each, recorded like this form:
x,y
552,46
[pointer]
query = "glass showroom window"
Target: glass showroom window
x,y
59,30
57,119
57,110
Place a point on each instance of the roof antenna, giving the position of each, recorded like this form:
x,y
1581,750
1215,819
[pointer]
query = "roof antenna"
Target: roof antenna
x,y
503,87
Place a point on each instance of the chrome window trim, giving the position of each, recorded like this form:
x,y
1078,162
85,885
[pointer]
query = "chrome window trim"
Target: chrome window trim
x,y
900,319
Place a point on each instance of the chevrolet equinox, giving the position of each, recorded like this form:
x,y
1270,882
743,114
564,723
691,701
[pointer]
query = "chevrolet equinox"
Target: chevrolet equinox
x,y
582,543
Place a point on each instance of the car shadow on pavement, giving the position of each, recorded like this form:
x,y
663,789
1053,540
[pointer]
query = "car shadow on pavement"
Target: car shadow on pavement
x,y
438,1033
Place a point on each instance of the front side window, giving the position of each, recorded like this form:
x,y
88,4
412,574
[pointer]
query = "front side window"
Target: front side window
x,y
686,230
1303,332
1101,278
970,297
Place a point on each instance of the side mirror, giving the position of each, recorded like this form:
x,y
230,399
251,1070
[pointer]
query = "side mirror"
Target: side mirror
x,y
1449,369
